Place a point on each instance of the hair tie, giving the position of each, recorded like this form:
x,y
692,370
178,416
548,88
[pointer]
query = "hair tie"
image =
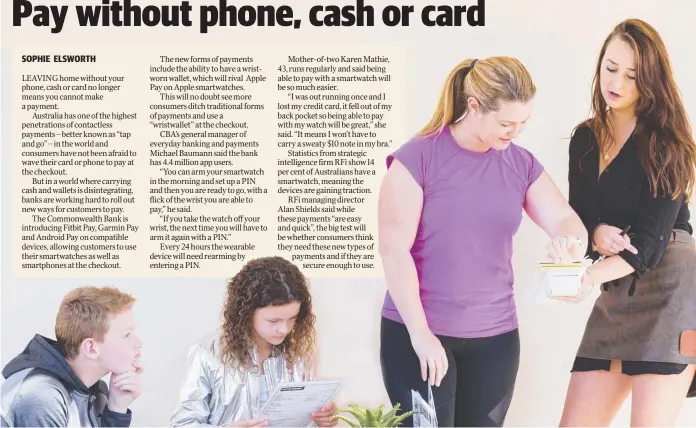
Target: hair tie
x,y
472,64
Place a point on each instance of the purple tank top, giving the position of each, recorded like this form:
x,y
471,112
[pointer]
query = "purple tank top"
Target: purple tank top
x,y
472,208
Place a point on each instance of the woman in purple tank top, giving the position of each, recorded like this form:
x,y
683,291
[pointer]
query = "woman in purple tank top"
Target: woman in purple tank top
x,y
450,204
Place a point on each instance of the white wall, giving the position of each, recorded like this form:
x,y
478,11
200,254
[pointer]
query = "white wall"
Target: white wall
x,y
558,41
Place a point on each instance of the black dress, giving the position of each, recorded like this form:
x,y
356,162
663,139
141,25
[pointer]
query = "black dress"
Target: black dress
x,y
637,319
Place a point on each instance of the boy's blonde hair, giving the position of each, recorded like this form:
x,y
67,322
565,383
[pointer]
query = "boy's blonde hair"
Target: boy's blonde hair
x,y
86,312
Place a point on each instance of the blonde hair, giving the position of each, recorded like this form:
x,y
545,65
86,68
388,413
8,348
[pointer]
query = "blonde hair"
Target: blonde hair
x,y
489,80
85,313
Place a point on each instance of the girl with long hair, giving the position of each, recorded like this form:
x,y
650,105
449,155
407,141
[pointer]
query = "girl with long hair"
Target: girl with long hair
x,y
632,166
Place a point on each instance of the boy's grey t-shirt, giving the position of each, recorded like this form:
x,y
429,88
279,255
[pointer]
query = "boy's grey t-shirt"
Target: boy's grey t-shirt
x,y
472,208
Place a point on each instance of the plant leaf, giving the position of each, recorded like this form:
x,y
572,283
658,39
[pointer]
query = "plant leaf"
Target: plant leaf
x,y
390,414
378,414
398,420
358,414
358,409
348,421
369,418
374,417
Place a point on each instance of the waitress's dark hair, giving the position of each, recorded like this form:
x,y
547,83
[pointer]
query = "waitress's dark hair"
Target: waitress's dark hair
x,y
667,148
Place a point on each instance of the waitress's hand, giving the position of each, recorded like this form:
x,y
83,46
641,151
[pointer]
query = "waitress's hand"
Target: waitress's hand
x,y
609,242
432,356
565,249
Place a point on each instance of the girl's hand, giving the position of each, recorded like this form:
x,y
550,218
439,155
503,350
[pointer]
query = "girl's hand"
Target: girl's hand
x,y
325,416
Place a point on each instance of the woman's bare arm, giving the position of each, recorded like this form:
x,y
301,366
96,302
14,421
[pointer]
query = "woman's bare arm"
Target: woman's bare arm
x,y
399,210
546,206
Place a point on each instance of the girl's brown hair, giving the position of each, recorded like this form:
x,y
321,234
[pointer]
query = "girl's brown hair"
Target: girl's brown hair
x,y
667,152
269,281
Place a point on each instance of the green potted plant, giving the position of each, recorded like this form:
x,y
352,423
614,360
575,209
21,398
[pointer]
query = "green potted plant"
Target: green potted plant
x,y
365,417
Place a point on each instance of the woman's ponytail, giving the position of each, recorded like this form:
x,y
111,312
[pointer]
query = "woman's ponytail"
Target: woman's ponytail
x,y
452,103
490,81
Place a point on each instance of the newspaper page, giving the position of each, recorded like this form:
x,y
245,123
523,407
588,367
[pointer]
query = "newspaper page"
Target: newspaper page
x,y
204,202
425,415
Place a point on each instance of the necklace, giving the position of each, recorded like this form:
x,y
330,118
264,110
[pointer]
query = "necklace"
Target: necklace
x,y
608,149
605,153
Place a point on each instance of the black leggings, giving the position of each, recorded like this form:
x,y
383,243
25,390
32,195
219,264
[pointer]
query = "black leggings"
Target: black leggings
x,y
478,386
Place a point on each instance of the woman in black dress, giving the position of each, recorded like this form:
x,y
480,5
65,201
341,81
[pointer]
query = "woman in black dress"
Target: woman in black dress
x,y
632,164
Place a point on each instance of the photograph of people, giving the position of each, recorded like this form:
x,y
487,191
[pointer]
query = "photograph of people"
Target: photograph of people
x,y
632,165
450,204
58,383
267,337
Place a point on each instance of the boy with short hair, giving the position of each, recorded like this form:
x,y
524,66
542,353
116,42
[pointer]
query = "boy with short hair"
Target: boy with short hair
x,y
58,382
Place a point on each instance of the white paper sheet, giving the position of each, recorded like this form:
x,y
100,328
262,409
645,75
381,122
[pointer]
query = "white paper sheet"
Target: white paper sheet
x,y
426,416
557,279
291,404
562,279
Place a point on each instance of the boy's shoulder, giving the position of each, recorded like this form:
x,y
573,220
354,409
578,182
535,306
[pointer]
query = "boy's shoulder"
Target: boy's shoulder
x,y
34,396
34,381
